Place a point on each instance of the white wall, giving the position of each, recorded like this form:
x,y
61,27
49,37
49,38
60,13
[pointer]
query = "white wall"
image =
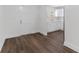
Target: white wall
x,y
10,17
43,20
72,27
2,28
55,25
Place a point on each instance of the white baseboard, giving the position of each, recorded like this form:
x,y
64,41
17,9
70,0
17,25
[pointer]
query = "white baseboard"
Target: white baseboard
x,y
71,46
43,33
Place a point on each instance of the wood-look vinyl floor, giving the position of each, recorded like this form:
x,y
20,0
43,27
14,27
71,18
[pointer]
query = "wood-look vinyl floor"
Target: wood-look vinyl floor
x,y
36,43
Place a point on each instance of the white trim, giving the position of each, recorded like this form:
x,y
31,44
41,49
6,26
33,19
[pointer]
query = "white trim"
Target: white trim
x,y
71,46
44,33
0,49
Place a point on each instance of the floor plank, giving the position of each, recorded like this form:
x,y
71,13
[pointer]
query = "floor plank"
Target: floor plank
x,y
36,43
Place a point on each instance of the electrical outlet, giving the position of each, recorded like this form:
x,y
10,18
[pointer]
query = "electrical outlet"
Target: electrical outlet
x,y
20,21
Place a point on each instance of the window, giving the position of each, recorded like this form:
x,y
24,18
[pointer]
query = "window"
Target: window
x,y
59,12
55,13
